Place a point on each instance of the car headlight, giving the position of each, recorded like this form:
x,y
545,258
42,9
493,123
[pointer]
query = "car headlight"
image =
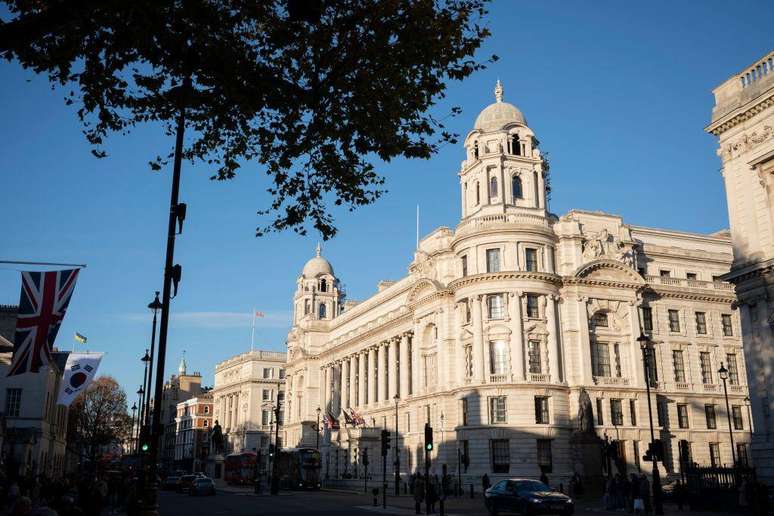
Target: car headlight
x,y
535,500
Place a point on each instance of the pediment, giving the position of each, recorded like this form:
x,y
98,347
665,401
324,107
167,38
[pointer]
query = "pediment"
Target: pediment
x,y
498,329
608,270
423,288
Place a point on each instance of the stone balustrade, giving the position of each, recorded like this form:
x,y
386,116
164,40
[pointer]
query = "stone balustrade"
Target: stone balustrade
x,y
683,282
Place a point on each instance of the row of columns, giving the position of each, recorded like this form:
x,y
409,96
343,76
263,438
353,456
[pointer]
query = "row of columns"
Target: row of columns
x,y
369,376
229,405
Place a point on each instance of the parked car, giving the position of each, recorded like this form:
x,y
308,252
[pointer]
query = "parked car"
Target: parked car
x,y
170,483
202,486
185,483
526,497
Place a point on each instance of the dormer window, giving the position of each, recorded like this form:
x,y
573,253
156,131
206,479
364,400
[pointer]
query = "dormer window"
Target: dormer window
x,y
493,187
516,188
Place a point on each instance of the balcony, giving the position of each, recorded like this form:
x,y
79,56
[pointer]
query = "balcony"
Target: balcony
x,y
682,386
737,389
710,387
682,282
491,221
538,377
498,378
611,380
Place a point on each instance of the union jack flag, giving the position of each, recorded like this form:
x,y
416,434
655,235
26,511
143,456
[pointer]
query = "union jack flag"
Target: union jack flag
x,y
42,306
357,419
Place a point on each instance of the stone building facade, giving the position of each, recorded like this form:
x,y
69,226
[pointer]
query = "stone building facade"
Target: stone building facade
x,y
514,335
247,386
194,422
743,121
180,387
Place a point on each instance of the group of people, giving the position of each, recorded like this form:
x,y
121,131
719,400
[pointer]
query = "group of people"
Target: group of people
x,y
91,495
432,491
628,494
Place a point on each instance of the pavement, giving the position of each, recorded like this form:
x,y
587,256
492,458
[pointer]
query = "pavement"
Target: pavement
x,y
239,501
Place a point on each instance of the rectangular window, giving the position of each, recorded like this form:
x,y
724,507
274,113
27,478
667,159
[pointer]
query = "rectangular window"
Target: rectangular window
x,y
706,367
664,273
464,266
500,455
741,454
616,412
495,306
679,365
267,372
532,306
600,417
533,349
541,410
709,415
265,417
464,411
647,318
682,416
674,321
545,458
691,276
492,260
498,357
617,357
12,402
633,412
530,260
600,359
728,330
468,361
736,415
701,323
733,370
497,411
662,413
714,449
266,395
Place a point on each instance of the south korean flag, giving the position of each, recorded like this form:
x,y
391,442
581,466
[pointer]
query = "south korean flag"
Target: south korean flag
x,y
79,372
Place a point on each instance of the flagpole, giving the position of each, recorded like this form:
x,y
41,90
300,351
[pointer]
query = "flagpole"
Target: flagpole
x,y
252,333
18,262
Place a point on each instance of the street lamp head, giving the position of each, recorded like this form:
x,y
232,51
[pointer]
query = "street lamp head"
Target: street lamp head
x,y
134,406
318,411
723,372
155,305
140,391
146,357
644,341
396,398
747,400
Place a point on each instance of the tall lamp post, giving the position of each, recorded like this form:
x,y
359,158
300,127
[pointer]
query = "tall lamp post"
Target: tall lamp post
x,y
723,373
749,426
395,452
132,441
318,428
141,399
274,490
646,345
145,387
155,306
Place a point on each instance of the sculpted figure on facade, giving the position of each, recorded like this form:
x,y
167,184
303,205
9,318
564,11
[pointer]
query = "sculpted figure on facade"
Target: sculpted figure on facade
x,y
605,245
585,414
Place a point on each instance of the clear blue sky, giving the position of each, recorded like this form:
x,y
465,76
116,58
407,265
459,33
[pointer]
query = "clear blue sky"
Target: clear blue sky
x,y
619,97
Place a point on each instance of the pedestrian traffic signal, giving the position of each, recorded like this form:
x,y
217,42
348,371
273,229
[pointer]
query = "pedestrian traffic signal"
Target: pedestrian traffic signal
x,y
428,437
385,442
144,446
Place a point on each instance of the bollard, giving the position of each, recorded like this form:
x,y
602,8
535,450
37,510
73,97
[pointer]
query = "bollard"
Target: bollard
x,y
471,491
375,492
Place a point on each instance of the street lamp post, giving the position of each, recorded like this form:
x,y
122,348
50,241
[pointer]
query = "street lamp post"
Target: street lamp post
x,y
317,428
141,399
145,359
155,306
395,452
646,345
132,441
274,478
723,373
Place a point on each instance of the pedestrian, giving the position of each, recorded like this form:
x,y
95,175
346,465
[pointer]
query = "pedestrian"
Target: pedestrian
x,y
485,482
432,493
419,494
446,488
645,493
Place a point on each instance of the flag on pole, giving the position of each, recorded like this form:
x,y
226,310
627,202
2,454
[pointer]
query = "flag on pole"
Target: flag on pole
x,y
356,418
78,374
347,418
259,314
332,422
42,305
80,338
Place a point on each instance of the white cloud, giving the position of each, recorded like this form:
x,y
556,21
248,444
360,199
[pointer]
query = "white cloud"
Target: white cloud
x,y
214,320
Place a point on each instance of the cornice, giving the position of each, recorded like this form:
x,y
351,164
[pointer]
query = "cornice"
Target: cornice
x,y
741,114
475,279
572,281
340,342
686,295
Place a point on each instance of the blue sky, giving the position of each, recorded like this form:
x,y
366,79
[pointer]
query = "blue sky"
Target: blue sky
x,y
617,92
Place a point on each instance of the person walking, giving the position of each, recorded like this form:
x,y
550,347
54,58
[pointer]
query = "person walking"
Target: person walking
x,y
419,493
485,482
446,488
645,493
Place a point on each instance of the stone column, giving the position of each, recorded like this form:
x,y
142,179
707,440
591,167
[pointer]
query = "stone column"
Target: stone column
x,y
553,341
323,390
382,394
479,353
584,342
416,384
517,336
404,366
362,373
352,380
392,359
372,377
757,389
344,390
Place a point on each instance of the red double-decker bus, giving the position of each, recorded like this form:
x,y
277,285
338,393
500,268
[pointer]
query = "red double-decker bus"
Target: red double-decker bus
x,y
240,468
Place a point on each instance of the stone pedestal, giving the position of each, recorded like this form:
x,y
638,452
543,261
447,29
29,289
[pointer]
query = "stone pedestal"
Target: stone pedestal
x,y
586,449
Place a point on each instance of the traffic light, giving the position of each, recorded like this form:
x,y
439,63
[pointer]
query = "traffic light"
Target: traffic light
x,y
655,450
428,437
144,446
385,442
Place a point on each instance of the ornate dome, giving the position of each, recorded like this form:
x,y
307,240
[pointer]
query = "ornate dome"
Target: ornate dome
x,y
317,265
498,115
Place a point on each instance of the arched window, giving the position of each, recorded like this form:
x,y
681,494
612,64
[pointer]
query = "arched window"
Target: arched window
x,y
493,187
515,145
321,311
475,150
478,193
516,187
323,285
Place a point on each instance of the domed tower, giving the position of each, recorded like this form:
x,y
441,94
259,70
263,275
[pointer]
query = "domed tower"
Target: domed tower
x,y
318,293
503,171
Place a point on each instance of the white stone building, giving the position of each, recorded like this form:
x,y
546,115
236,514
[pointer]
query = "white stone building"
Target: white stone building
x,y
511,325
246,388
743,119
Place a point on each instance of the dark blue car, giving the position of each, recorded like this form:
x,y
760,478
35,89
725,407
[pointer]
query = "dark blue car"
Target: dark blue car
x,y
526,497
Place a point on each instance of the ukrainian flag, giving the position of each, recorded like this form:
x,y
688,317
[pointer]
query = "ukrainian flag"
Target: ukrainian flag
x,y
80,338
